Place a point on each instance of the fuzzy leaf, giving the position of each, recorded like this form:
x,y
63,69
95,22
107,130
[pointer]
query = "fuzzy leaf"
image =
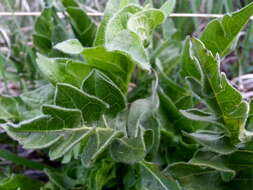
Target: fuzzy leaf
x,y
189,65
98,142
221,33
60,129
128,150
143,23
112,6
140,111
226,102
99,85
193,177
152,178
71,46
214,141
58,70
117,31
71,97
198,115
8,108
215,161
118,67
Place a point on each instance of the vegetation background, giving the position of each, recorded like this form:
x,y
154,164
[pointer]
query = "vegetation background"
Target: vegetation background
x,y
19,72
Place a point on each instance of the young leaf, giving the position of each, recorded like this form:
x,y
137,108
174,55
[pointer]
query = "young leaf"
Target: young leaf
x,y
71,46
117,31
102,175
143,23
112,6
221,33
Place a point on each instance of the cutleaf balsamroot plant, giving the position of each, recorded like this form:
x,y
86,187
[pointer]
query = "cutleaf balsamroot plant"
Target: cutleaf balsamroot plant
x,y
158,142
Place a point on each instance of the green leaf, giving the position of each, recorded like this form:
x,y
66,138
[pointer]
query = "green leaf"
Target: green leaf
x,y
71,97
36,98
213,141
117,31
71,46
226,102
60,129
112,7
221,33
128,150
69,3
152,178
85,31
102,175
98,142
99,85
212,160
49,30
199,115
193,177
8,108
173,113
117,66
20,182
61,180
189,66
143,23
140,111
58,70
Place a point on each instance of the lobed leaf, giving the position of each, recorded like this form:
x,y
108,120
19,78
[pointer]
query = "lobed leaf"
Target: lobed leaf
x,y
216,91
221,33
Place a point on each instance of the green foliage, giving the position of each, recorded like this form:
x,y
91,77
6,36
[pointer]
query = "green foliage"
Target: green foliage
x,y
19,182
184,125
